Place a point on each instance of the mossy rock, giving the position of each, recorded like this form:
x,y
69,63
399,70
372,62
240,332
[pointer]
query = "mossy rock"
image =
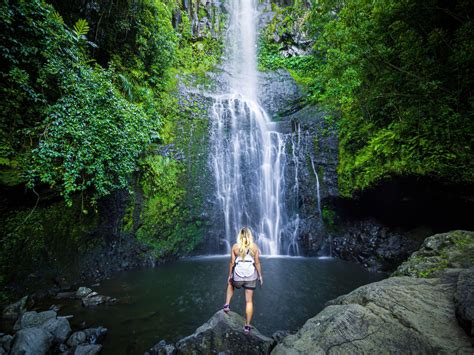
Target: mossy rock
x,y
447,250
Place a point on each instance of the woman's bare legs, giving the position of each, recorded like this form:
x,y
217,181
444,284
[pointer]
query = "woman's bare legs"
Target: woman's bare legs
x,y
230,293
248,306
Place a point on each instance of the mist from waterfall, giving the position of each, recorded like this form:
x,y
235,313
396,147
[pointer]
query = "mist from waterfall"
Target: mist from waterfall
x,y
247,152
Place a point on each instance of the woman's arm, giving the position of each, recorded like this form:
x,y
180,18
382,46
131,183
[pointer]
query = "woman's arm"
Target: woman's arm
x,y
232,262
257,265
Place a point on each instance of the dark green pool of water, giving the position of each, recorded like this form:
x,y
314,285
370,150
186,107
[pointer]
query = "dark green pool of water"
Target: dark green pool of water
x,y
171,301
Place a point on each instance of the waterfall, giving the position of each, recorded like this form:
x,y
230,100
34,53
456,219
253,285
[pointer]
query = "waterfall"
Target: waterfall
x,y
294,222
247,152
318,195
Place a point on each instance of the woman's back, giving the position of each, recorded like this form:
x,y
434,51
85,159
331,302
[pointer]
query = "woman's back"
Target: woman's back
x,y
244,271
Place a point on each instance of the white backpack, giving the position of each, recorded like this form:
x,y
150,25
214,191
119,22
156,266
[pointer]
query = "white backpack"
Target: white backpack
x,y
244,267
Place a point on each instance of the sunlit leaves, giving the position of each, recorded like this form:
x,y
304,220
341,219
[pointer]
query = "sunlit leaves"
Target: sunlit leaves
x,y
81,28
92,137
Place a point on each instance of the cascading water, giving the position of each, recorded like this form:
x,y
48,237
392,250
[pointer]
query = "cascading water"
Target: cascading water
x,y
294,223
247,152
318,194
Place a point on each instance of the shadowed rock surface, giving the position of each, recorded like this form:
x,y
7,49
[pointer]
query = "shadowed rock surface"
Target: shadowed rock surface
x,y
46,333
223,333
396,315
438,252
15,310
464,300
32,341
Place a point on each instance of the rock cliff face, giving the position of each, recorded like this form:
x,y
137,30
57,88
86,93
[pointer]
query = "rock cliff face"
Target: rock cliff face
x,y
326,223
379,227
372,244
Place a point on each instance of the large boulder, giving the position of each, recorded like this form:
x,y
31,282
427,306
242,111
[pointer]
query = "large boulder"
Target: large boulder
x,y
83,292
77,338
32,341
94,299
5,342
464,300
15,310
396,315
224,333
438,252
162,348
87,349
58,327
95,335
34,319
87,336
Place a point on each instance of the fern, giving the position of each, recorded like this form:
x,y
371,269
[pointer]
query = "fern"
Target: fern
x,y
57,17
81,28
126,87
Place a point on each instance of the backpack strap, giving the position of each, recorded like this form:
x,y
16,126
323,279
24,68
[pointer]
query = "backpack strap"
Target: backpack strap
x,y
243,260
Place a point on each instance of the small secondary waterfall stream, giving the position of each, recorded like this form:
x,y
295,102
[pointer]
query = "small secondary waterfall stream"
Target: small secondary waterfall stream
x,y
247,152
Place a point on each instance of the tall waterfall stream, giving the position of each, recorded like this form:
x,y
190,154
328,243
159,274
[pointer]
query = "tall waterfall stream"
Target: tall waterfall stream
x,y
248,155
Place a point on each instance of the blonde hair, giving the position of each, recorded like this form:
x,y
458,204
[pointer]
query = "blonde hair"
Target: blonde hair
x,y
245,242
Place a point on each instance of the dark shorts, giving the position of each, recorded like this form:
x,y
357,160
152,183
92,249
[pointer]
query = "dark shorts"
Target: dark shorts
x,y
248,285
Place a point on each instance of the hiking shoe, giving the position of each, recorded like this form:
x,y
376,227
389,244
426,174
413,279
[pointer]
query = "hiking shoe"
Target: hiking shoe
x,y
247,329
226,308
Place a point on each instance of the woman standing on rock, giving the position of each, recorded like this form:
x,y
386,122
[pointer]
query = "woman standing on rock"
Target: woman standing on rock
x,y
244,271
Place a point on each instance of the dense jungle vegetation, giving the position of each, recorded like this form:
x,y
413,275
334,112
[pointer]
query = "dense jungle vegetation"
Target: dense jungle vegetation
x,y
89,98
398,76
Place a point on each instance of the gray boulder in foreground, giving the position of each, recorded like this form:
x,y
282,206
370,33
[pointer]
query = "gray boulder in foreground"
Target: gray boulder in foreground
x,y
32,341
58,327
87,349
34,319
224,333
464,301
397,315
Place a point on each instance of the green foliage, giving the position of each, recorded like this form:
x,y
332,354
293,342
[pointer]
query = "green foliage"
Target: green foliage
x,y
198,55
80,28
287,21
44,239
328,216
428,271
86,98
63,120
92,136
399,74
165,226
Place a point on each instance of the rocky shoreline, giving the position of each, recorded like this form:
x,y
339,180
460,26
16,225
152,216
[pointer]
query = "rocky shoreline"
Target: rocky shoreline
x,y
45,332
426,306
405,313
